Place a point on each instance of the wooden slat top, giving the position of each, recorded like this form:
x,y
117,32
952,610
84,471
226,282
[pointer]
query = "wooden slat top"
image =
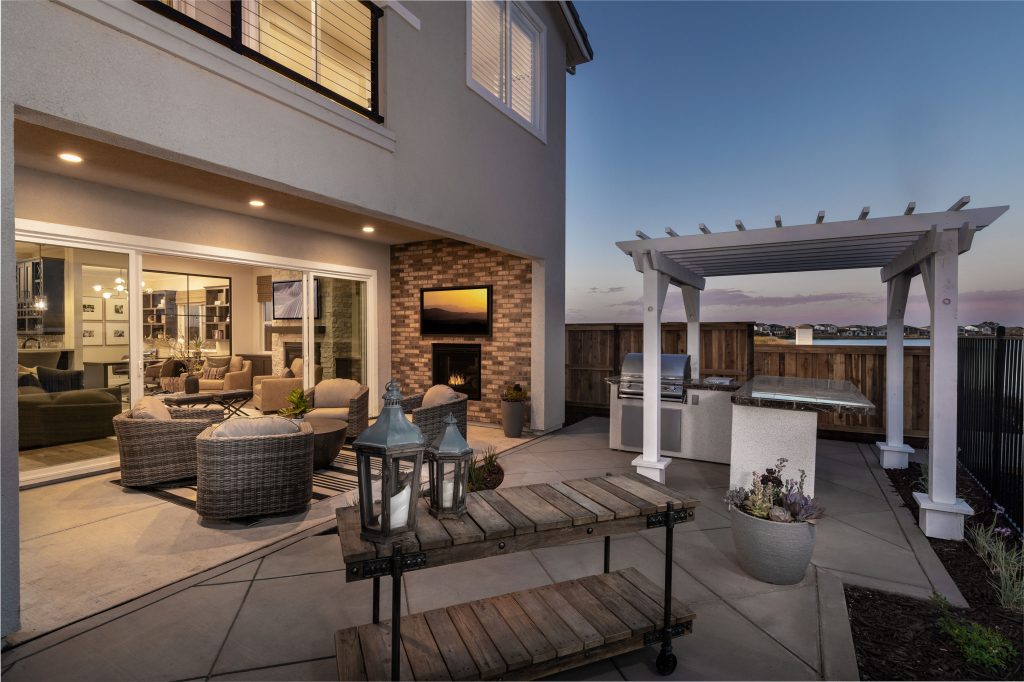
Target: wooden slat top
x,y
519,518
518,635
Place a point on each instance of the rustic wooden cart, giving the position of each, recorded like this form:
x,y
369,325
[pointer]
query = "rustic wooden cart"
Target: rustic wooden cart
x,y
527,634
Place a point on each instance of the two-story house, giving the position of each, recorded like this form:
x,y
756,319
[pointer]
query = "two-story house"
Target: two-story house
x,y
375,189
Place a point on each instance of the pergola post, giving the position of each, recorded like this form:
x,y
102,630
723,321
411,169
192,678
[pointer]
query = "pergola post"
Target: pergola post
x,y
650,463
941,512
894,452
691,304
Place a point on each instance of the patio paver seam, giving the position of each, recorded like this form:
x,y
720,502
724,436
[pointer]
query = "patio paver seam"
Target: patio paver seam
x,y
227,633
156,503
223,674
839,519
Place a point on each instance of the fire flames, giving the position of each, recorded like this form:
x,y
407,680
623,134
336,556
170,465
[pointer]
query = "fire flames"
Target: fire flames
x,y
456,380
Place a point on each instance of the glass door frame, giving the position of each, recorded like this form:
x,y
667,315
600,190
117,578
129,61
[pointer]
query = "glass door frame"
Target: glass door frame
x,y
309,328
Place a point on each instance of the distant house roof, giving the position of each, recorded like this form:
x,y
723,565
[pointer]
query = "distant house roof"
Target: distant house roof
x,y
579,34
805,326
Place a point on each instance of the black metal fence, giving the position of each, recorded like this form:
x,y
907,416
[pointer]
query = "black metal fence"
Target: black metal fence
x,y
990,417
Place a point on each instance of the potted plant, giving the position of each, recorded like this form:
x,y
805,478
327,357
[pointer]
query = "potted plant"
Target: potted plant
x,y
513,410
299,405
773,526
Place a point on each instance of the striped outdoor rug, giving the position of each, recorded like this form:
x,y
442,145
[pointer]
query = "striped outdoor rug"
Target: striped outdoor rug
x,y
337,479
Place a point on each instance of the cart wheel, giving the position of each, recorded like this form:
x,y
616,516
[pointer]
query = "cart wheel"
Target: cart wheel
x,y
666,662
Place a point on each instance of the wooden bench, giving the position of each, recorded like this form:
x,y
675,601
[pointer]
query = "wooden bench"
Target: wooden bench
x,y
511,520
523,635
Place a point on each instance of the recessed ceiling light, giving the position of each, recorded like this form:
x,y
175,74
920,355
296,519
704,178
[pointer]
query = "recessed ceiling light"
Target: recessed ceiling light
x,y
97,287
257,203
69,157
106,294
368,228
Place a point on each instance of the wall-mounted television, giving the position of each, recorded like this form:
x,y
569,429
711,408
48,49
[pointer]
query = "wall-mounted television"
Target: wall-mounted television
x,y
455,311
288,300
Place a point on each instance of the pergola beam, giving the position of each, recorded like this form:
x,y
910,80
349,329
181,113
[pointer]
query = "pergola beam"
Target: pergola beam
x,y
961,202
820,219
677,274
864,213
778,220
924,247
704,228
740,226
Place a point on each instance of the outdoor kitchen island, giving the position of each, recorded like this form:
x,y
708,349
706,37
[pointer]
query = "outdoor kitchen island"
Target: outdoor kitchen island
x,y
775,417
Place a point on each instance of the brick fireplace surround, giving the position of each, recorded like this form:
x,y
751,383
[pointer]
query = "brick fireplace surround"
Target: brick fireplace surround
x,y
505,355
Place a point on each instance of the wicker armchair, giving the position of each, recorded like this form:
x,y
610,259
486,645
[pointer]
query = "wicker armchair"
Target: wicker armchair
x,y
158,450
254,475
341,399
431,419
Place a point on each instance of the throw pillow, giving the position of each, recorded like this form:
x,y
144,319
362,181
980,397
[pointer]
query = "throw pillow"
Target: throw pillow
x,y
57,380
28,379
287,374
439,395
335,392
255,426
150,407
214,372
218,361
22,369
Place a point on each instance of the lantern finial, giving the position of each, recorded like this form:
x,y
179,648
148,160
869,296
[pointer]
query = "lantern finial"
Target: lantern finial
x,y
392,396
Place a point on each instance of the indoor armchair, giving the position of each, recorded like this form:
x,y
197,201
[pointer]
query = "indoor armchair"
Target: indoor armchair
x,y
270,393
236,374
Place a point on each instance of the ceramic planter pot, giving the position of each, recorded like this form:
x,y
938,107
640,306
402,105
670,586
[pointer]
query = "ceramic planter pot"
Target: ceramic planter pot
x,y
772,551
192,383
512,416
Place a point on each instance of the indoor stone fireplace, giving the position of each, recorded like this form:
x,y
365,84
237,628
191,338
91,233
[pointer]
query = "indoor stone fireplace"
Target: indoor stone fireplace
x,y
458,365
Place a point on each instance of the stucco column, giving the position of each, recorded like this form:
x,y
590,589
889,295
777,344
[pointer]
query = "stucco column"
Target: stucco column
x,y
894,452
547,345
691,304
942,513
651,463
10,574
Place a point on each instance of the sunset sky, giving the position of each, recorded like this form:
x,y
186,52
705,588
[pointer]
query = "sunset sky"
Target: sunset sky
x,y
457,300
709,112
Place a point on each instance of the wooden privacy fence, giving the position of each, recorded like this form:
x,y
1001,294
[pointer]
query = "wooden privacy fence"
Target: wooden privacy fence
x,y
865,367
594,352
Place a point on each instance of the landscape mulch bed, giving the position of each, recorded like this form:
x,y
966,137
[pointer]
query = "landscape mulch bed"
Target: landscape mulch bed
x,y
898,637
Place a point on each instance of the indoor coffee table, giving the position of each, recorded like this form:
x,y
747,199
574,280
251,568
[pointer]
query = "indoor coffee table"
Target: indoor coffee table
x,y
328,437
232,401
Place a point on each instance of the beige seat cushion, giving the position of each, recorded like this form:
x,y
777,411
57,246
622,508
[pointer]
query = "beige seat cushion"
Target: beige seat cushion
x,y
255,426
439,395
335,392
211,384
236,363
328,413
150,407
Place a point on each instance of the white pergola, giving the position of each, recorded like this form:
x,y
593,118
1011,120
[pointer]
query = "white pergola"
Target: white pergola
x,y
903,246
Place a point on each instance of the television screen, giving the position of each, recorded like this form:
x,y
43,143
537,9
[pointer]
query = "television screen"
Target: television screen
x,y
455,311
288,300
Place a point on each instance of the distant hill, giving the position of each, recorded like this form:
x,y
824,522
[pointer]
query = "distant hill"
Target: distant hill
x,y
444,315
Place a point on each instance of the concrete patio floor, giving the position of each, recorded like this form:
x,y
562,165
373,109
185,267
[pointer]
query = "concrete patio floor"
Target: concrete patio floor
x,y
76,534
270,615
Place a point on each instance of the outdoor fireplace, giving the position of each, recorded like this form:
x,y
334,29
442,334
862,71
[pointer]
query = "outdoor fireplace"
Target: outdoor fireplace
x,y
458,365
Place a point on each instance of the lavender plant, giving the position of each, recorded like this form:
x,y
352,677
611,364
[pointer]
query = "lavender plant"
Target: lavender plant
x,y
769,497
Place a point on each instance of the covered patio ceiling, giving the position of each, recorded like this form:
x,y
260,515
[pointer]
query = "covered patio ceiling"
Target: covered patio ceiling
x,y
839,245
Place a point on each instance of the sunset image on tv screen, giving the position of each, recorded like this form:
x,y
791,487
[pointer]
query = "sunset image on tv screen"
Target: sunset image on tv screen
x,y
455,312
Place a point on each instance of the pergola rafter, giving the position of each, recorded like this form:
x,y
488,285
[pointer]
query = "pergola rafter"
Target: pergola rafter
x,y
902,247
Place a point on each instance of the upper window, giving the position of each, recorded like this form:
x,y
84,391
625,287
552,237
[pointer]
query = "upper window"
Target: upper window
x,y
327,45
506,59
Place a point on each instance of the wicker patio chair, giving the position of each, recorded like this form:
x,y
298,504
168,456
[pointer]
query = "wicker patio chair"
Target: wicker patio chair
x,y
341,399
254,475
431,419
159,450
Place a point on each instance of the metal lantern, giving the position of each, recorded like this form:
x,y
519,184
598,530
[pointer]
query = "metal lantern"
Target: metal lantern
x,y
394,446
448,461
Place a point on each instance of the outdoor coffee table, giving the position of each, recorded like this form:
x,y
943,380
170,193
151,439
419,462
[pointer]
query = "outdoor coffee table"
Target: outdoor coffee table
x,y
531,633
232,401
328,436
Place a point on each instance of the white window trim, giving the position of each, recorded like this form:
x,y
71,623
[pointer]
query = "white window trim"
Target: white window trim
x,y
539,130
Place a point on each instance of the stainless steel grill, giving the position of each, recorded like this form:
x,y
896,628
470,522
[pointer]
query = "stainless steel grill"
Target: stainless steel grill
x,y
675,371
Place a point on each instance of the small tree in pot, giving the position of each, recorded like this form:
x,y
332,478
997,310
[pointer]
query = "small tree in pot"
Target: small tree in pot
x,y
513,410
773,526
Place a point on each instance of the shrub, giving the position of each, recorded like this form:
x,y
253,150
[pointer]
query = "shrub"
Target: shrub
x,y
299,404
514,394
769,497
980,645
480,468
1004,556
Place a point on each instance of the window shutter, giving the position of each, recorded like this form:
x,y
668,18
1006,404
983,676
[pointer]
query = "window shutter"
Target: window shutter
x,y
264,289
523,40
488,45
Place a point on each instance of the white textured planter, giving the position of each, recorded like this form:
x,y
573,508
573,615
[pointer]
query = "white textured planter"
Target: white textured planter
x,y
772,551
